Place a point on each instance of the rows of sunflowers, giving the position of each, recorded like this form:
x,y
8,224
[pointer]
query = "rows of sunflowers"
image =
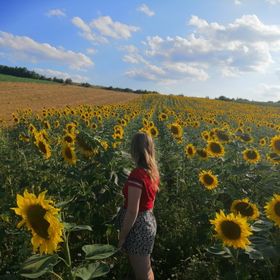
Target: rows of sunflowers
x,y
218,209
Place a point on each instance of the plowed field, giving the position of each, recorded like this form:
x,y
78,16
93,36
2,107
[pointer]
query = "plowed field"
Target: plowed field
x,y
15,96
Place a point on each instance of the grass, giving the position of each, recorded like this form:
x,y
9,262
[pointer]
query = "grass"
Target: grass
x,y
9,78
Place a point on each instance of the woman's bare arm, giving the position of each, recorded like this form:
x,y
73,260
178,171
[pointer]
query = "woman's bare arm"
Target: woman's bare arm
x,y
134,195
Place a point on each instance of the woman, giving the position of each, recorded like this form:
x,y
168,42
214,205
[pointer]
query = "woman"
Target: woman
x,y
136,218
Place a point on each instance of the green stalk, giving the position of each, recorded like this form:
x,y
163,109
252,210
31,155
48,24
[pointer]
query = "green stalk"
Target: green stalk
x,y
67,256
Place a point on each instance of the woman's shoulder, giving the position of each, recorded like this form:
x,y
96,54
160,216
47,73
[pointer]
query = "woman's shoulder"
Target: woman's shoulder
x,y
138,171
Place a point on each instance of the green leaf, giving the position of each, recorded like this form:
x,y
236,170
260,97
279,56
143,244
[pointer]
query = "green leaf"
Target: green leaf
x,y
93,270
99,251
37,265
73,227
63,203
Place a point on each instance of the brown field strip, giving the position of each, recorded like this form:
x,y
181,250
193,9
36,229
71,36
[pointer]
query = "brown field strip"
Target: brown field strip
x,y
19,96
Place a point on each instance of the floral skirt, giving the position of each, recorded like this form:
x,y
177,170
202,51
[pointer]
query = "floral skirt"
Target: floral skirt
x,y
141,237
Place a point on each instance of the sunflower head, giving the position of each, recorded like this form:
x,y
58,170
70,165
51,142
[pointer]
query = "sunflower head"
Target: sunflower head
x,y
190,150
272,209
41,218
232,229
215,149
245,208
251,155
275,144
209,180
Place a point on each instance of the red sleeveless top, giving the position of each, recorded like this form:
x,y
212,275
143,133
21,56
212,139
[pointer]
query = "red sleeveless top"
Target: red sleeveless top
x,y
139,178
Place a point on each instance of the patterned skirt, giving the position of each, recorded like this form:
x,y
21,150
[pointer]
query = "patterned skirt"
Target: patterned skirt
x,y
140,239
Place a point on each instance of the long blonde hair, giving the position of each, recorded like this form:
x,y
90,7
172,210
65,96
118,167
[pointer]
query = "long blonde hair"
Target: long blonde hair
x,y
143,153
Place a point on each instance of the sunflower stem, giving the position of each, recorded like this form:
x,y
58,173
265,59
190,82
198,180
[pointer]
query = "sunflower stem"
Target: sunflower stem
x,y
67,255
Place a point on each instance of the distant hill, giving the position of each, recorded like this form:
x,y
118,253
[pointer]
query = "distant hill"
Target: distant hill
x,y
15,74
10,78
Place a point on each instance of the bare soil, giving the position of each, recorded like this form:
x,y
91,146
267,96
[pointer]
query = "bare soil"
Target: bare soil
x,y
19,96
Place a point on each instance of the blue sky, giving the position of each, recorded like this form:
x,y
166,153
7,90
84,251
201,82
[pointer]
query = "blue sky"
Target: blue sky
x,y
196,48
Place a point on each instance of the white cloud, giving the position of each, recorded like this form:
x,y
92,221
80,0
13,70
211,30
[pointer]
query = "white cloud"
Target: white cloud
x,y
101,29
26,48
62,75
245,45
56,13
114,29
91,51
146,10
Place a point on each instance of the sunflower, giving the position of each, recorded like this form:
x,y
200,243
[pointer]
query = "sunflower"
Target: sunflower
x,y
273,158
272,209
222,136
202,153
69,138
176,130
153,131
232,229
246,137
40,217
68,153
47,125
245,208
162,117
94,126
104,144
43,146
209,180
56,124
215,149
275,143
190,150
251,155
262,141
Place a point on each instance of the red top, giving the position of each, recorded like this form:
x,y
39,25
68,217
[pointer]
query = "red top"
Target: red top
x,y
139,178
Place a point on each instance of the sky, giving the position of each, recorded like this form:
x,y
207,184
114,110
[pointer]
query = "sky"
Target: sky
x,y
191,47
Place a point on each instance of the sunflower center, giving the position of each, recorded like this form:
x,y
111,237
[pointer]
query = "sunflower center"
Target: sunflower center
x,y
251,154
222,135
35,215
42,147
208,179
231,230
244,209
68,153
190,151
277,209
174,130
277,145
215,147
246,137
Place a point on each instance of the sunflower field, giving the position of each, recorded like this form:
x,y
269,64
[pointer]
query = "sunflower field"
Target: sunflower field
x,y
218,208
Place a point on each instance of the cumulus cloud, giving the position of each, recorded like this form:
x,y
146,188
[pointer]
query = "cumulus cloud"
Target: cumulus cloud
x,y
55,13
101,29
62,75
146,10
26,48
244,45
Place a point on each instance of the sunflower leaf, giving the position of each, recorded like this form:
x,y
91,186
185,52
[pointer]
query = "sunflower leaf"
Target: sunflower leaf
x,y
73,227
99,251
92,271
37,265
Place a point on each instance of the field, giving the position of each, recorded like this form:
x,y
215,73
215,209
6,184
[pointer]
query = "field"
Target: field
x,y
218,209
37,96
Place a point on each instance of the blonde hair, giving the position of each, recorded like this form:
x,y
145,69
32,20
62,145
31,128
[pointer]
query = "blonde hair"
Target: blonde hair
x,y
143,153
